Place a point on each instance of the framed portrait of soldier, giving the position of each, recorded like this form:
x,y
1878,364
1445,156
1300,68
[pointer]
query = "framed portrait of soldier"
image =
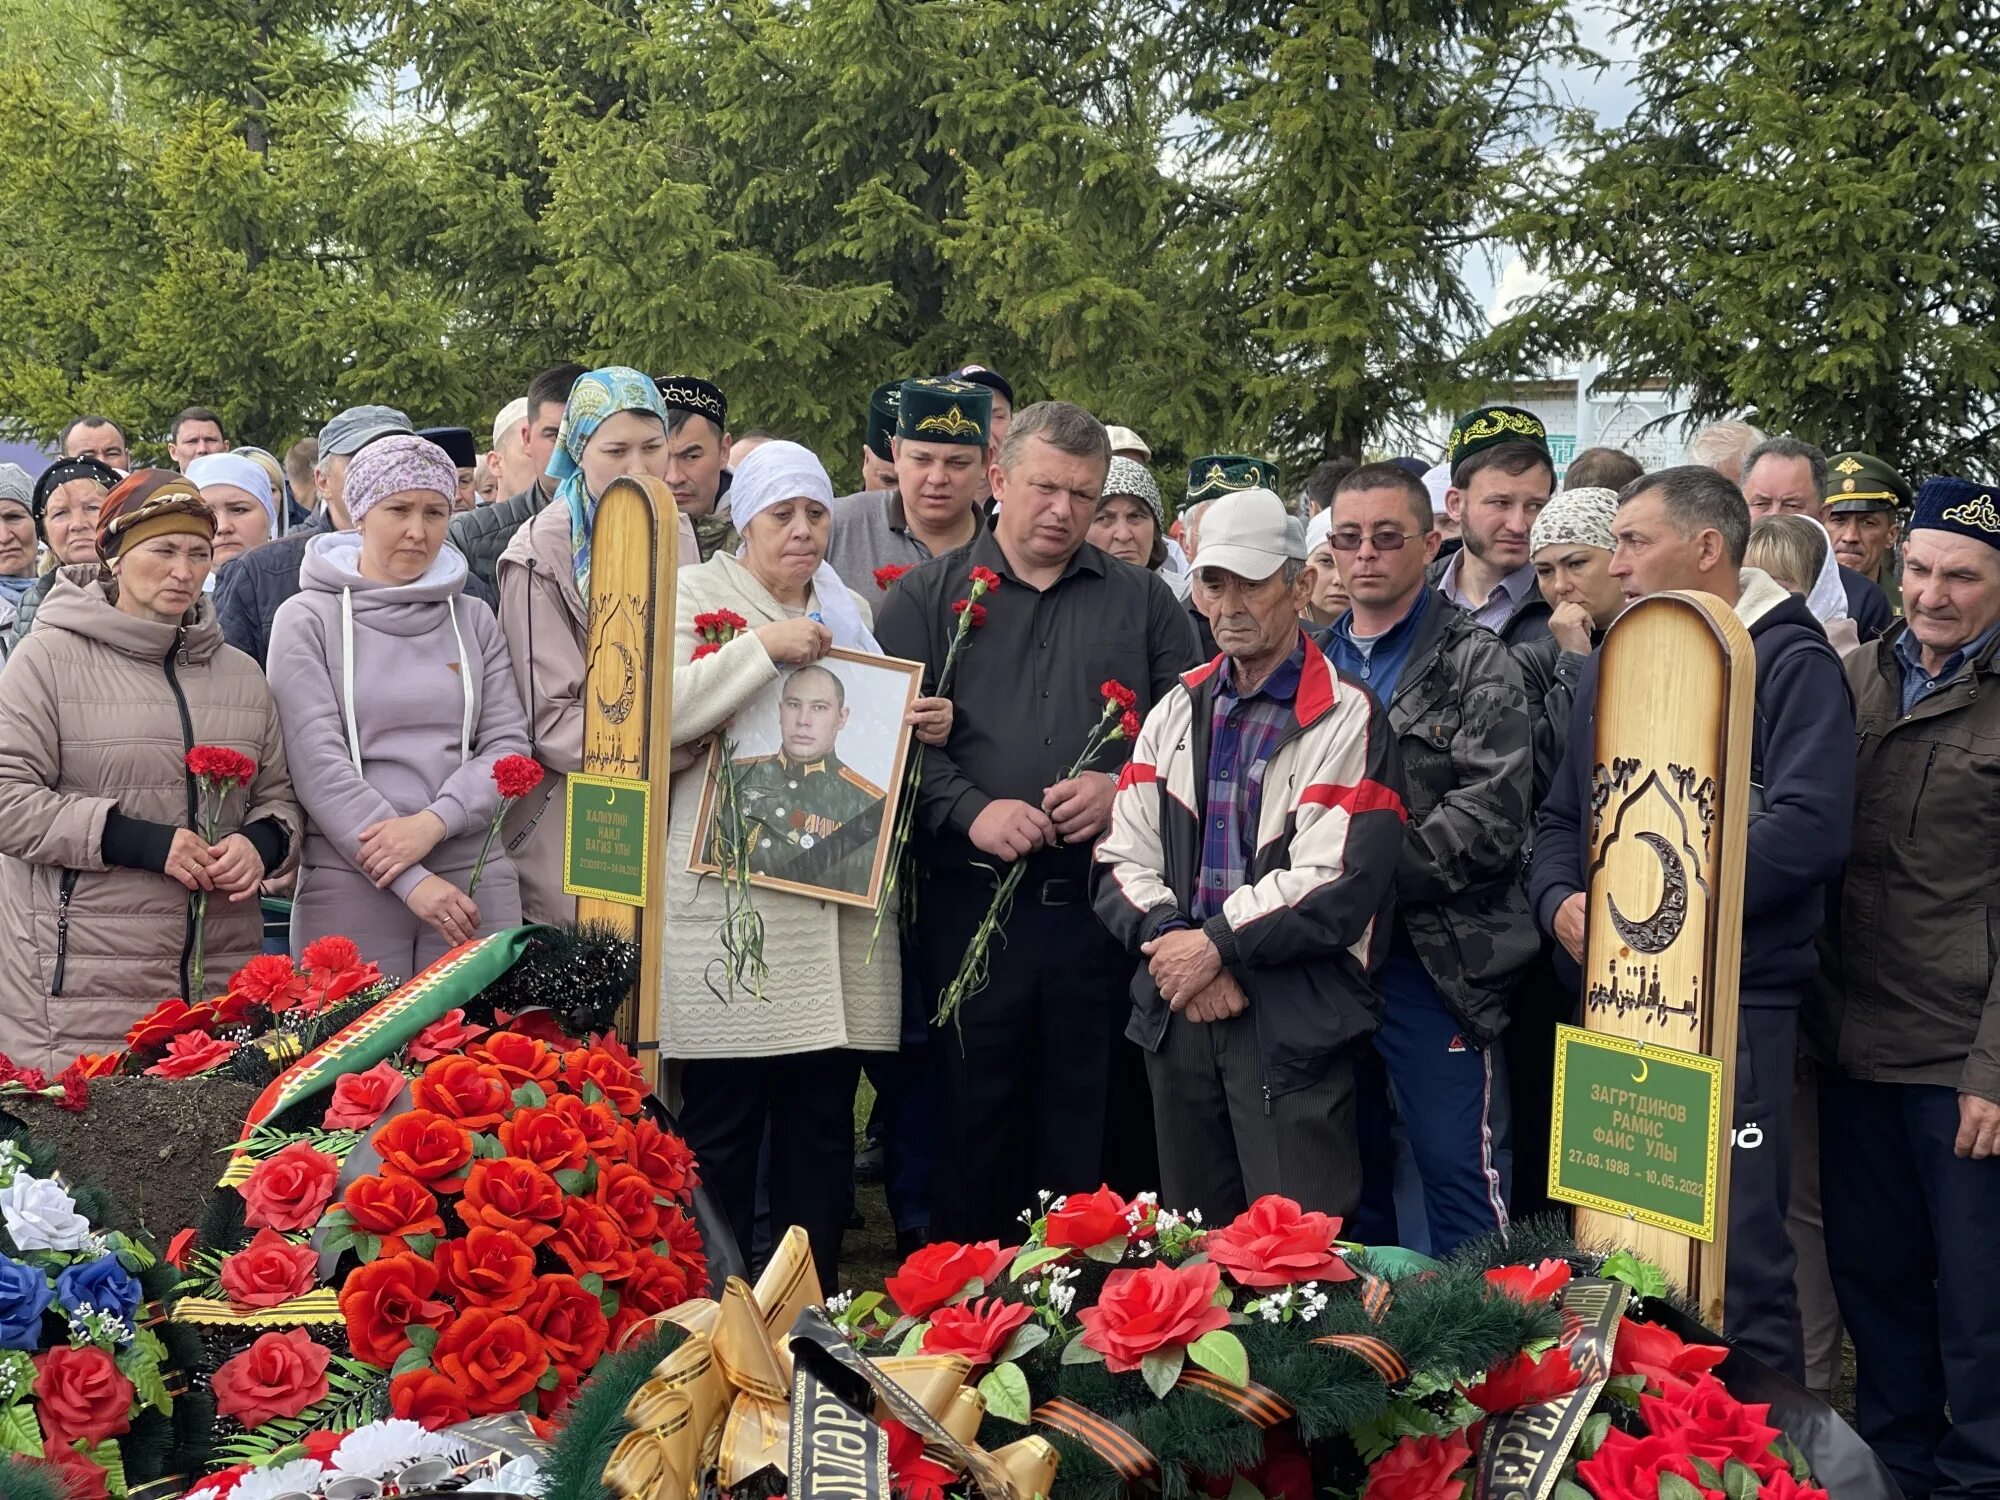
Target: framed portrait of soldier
x,y
815,762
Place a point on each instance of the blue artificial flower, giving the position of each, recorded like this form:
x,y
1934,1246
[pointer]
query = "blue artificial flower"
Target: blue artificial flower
x,y
25,1294
102,1283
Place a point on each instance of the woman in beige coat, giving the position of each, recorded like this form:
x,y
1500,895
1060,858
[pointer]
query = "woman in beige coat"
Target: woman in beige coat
x,y
791,1059
124,672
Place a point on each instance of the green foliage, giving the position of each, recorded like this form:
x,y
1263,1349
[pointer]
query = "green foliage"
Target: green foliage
x,y
357,1394
596,1423
1795,221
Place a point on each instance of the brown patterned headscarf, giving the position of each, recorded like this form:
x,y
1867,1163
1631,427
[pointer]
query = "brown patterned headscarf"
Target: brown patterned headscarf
x,y
147,503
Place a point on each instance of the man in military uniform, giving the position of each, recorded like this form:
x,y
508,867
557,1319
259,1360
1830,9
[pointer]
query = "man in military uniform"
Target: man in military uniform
x,y
816,820
1865,499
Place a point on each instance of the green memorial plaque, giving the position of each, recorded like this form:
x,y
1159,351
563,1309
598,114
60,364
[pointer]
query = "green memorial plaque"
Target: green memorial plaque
x,y
1637,1131
604,839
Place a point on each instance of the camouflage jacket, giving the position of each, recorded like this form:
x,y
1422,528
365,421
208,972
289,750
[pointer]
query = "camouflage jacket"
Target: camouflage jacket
x,y
1460,716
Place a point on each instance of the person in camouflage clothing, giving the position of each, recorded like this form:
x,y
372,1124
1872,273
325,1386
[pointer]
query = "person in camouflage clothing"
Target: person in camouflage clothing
x,y
1463,934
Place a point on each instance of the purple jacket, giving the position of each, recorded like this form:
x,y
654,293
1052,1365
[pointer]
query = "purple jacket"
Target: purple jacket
x,y
428,707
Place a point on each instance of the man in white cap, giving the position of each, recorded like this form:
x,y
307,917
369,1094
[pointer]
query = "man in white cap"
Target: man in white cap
x,y
509,456
1259,922
1125,443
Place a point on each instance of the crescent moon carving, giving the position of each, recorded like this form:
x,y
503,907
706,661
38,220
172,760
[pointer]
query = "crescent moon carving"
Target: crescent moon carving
x,y
1644,1069
618,709
1656,933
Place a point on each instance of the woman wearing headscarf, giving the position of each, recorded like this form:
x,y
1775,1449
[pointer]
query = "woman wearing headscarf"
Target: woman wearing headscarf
x,y
17,548
65,502
614,425
398,698
1571,548
1329,596
794,1057
1130,523
238,490
1798,553
125,673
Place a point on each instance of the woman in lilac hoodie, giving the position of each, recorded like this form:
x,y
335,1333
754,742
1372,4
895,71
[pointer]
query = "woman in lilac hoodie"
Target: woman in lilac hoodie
x,y
396,696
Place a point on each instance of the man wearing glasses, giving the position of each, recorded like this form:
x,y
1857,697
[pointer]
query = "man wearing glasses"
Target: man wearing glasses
x,y
1462,937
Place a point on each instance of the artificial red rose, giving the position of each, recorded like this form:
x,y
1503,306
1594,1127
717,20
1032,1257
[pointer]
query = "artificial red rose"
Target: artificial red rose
x,y
545,1138
1282,1473
78,1477
913,1473
666,1159
81,1393
629,1193
1114,691
190,1053
220,764
1660,1355
289,1190
683,1240
569,1319
392,1208
178,1248
269,1270
516,775
519,1059
554,1398
488,1268
449,1033
268,980
1420,1468
1522,1380
75,1086
319,1445
1629,1468
1087,1220
332,954
590,1241
978,1330
598,1122
494,1359
888,573
426,1146
658,1282
937,1273
472,1093
539,1022
623,1086
428,1399
383,1298
163,1022
1702,1418
1161,1307
360,1099
1530,1284
1275,1243
1784,1486
518,1196
278,1376
626,1324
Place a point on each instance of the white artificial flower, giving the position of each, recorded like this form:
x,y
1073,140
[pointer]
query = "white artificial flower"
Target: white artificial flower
x,y
300,1476
1061,1297
1194,1216
206,1492
382,1447
519,1476
40,1216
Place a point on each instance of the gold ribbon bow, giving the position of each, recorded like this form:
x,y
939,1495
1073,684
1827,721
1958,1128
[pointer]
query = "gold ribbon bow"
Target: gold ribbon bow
x,y
937,1382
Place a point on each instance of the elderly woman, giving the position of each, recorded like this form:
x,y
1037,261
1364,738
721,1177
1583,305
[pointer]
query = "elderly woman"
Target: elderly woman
x,y
1131,524
1329,599
65,502
793,1058
398,697
17,547
238,490
125,673
614,425
1570,546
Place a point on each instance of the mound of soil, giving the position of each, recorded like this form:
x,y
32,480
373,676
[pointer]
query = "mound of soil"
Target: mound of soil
x,y
155,1145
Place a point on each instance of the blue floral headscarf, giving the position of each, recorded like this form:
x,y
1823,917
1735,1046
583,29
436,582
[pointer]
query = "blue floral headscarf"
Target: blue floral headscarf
x,y
595,396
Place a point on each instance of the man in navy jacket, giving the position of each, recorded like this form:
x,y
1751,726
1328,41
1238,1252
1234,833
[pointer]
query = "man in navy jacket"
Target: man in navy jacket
x,y
1687,528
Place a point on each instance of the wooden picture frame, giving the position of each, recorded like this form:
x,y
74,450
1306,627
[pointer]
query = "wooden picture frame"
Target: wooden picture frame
x,y
841,806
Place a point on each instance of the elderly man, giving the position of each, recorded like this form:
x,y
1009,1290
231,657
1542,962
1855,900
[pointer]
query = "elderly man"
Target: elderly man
x,y
1908,1023
1687,528
1865,498
1501,477
508,457
1260,920
1721,446
1785,477
1028,1079
941,446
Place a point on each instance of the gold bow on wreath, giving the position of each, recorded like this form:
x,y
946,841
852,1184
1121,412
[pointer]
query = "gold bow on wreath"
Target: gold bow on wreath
x,y
722,1397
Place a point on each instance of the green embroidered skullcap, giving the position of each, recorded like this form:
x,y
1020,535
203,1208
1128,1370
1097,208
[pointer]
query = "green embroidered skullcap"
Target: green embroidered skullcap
x,y
1490,426
939,410
882,404
1216,474
1861,482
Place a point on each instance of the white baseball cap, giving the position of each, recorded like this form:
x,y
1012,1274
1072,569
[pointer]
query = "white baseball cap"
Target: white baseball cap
x,y
1247,534
1125,440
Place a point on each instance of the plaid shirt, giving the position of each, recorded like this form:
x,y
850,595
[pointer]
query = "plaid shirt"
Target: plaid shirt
x,y
1243,736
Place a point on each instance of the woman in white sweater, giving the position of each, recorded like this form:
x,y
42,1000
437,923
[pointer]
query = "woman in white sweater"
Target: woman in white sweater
x,y
793,1058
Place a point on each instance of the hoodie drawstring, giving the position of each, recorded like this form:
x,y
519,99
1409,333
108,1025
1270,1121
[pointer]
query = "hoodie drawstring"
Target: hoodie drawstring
x,y
347,681
464,684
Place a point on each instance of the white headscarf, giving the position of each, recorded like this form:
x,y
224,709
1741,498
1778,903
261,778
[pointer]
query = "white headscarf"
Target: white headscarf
x,y
1828,599
233,468
779,471
1319,529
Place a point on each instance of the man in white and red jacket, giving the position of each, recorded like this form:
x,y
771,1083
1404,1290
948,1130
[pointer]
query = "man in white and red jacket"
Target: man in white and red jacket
x,y
1250,861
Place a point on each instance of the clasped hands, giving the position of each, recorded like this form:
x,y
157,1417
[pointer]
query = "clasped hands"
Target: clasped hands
x,y
1074,811
1188,970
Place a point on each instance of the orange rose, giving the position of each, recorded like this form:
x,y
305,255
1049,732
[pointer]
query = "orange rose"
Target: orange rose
x,y
590,1241
628,1193
488,1268
472,1093
598,1122
493,1358
393,1208
425,1145
657,1283
518,1196
667,1160
519,1059
622,1085
569,1319
428,1399
383,1298
545,1138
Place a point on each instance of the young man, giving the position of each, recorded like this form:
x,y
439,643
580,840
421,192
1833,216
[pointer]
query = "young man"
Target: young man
x,y
698,457
1687,528
1501,477
196,431
942,449
483,533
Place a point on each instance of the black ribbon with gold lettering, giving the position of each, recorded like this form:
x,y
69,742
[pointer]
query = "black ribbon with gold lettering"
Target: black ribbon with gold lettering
x,y
837,1453
1522,1455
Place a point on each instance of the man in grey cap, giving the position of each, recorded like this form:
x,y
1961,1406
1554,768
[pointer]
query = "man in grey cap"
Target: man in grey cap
x,y
249,589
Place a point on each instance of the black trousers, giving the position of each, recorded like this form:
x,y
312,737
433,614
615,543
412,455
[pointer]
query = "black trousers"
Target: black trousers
x,y
808,1098
1760,1299
1910,1233
1038,1086
1541,1001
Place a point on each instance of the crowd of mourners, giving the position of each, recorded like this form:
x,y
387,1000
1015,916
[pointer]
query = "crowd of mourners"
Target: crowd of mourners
x,y
1309,932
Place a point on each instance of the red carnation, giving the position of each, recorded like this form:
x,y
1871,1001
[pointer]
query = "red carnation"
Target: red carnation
x,y
219,764
706,648
517,775
1530,1284
889,573
75,1086
1116,692
978,611
1128,725
1161,1307
985,580
330,955
731,620
190,1053
268,980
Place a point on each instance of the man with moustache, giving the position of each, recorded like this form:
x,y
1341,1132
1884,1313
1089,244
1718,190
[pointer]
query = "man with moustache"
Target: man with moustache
x,y
1785,477
1864,500
1501,477
941,449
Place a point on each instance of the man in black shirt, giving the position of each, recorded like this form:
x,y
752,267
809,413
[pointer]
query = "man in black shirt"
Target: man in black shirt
x,y
1028,1080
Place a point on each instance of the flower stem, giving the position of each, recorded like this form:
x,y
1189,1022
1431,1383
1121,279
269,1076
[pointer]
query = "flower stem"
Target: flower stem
x,y
486,848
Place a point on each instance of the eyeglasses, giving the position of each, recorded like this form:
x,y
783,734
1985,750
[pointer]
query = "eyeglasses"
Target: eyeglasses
x,y
1381,541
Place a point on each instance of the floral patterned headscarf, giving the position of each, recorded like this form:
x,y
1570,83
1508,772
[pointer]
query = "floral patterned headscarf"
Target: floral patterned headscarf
x,y
595,396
